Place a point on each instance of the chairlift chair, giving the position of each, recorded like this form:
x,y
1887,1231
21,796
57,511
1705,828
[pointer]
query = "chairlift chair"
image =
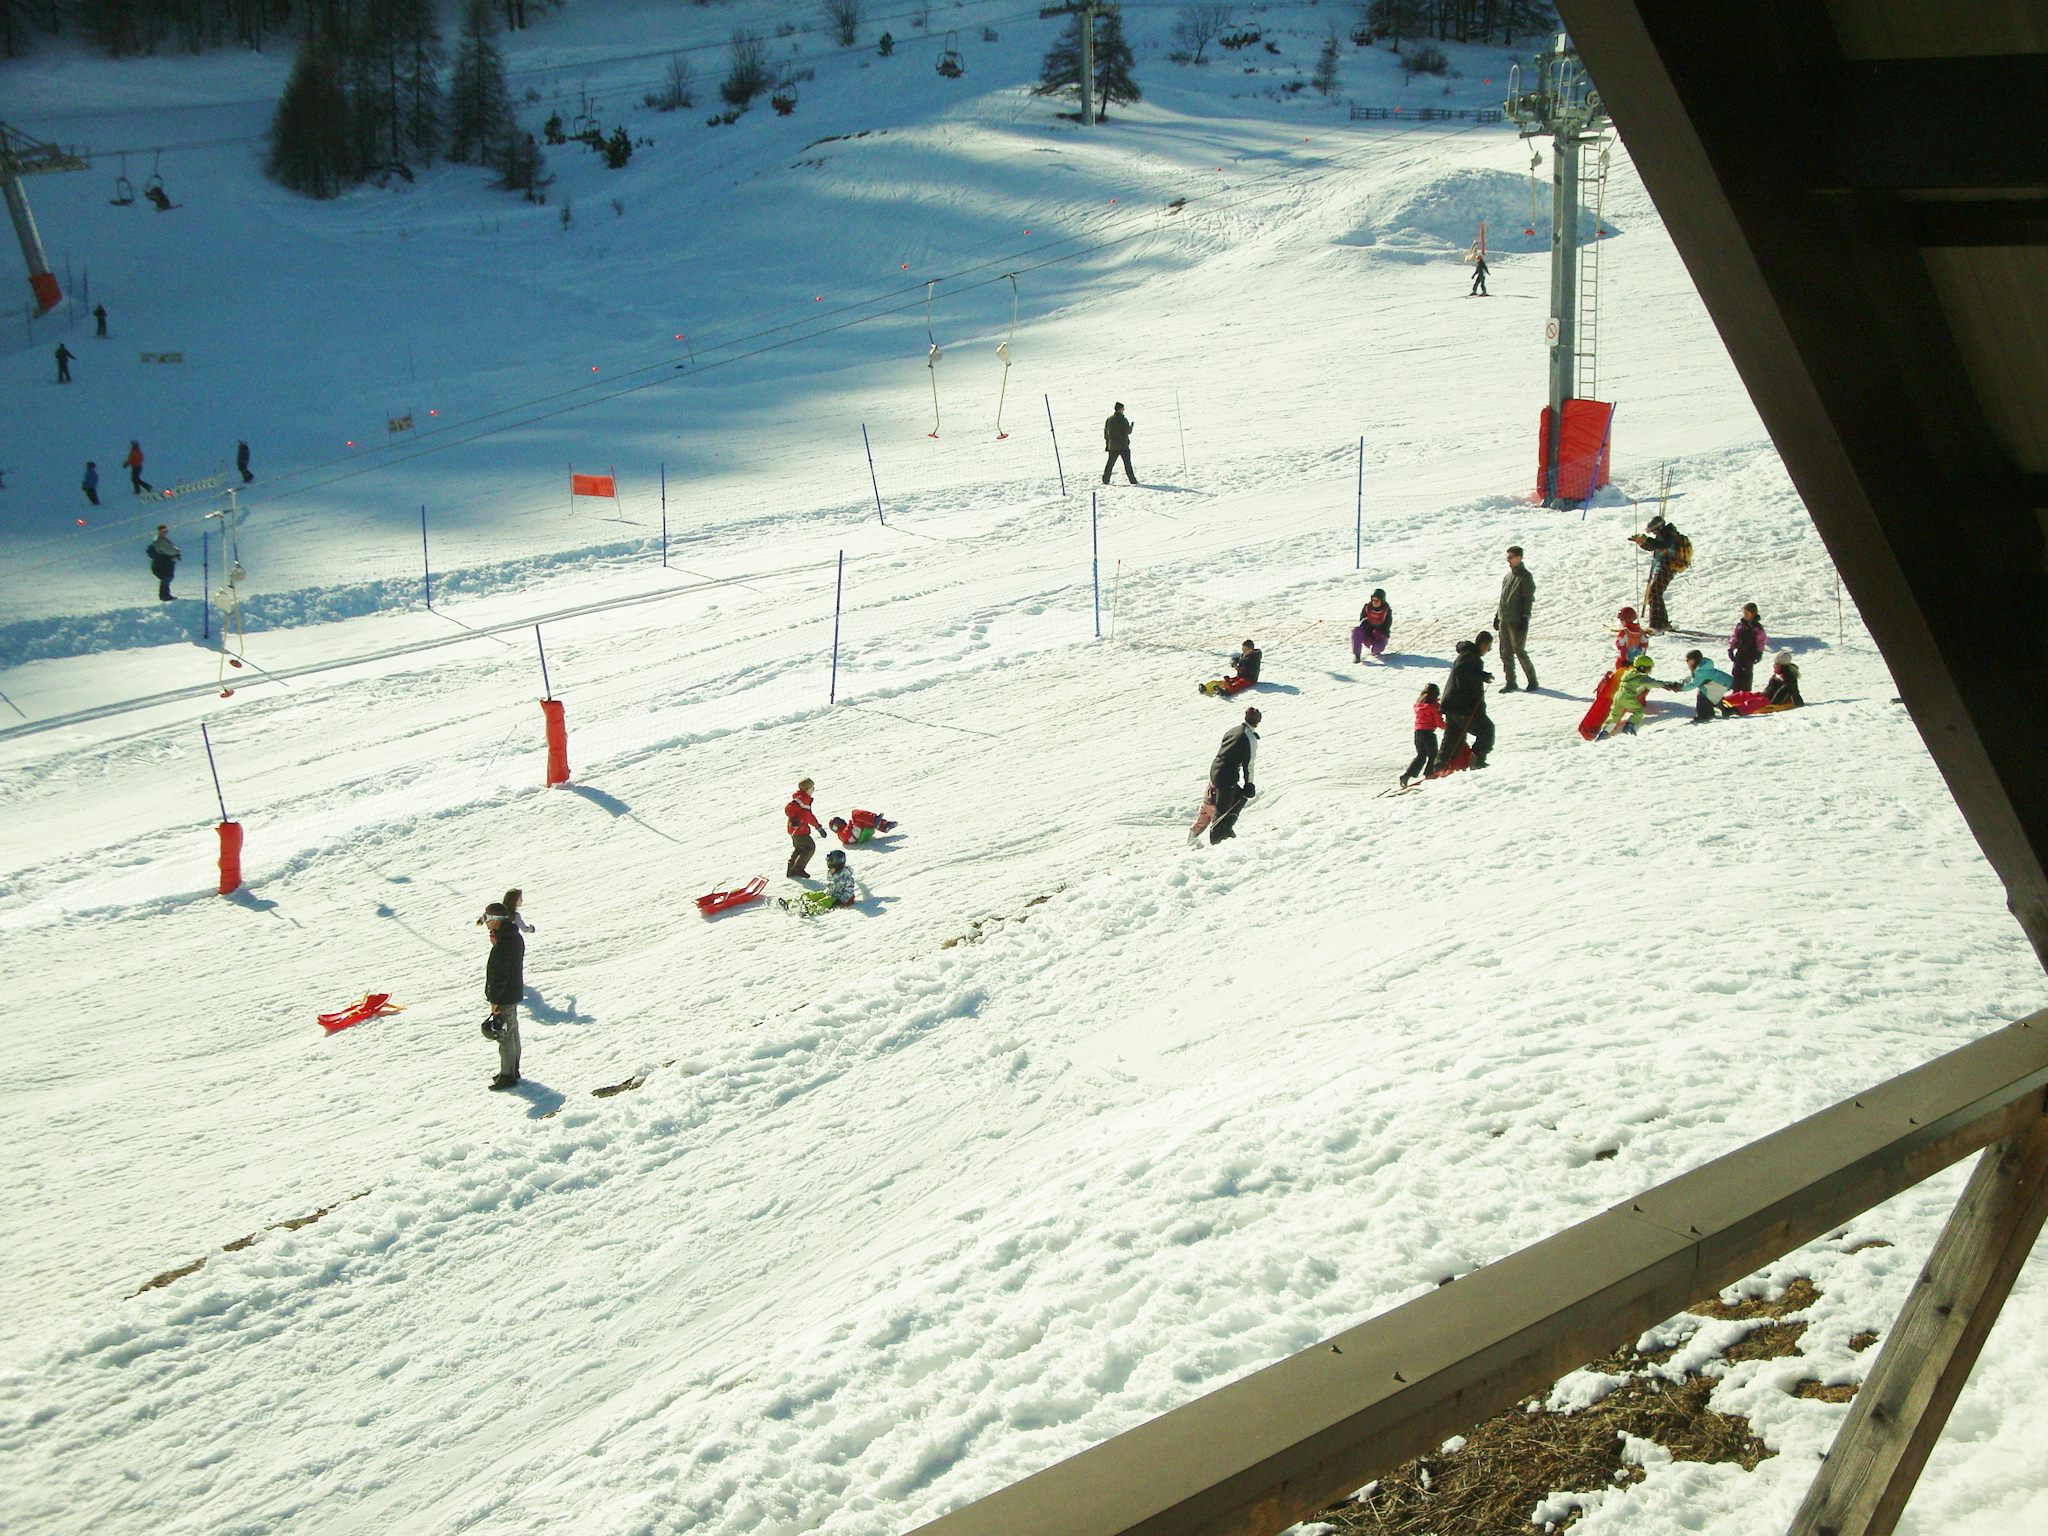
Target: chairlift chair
x,y
951,65
124,189
784,98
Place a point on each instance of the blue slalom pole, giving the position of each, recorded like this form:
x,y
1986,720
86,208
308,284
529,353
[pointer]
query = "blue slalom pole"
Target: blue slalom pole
x,y
1095,553
838,588
664,514
1055,431
205,595
1359,553
426,571
871,477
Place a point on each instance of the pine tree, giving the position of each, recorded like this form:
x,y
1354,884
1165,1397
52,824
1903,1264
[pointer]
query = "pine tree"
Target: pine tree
x,y
1325,77
416,77
480,125
1114,66
309,136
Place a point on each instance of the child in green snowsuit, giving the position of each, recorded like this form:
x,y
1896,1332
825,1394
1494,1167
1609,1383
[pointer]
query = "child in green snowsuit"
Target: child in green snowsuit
x,y
1627,711
839,890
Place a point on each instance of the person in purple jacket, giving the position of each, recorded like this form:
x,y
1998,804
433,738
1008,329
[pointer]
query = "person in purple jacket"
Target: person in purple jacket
x,y
1746,647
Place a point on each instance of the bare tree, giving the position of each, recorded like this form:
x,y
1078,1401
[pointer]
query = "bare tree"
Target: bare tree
x,y
749,75
843,17
1197,27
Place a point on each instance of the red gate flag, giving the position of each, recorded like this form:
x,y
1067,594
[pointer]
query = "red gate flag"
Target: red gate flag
x,y
592,485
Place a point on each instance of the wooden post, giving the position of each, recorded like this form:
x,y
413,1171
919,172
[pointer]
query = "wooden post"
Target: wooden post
x,y
1876,1459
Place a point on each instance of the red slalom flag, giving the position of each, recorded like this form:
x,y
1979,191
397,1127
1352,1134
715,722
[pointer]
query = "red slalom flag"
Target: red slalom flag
x,y
593,485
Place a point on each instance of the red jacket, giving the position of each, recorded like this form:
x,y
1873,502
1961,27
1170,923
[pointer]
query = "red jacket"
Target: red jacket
x,y
1427,716
798,815
134,459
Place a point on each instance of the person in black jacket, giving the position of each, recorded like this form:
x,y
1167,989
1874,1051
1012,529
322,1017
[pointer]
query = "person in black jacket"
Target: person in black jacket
x,y
1660,541
1230,775
504,985
242,461
1116,439
1464,703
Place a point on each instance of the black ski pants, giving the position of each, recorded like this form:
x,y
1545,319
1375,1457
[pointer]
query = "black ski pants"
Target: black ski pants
x,y
1425,756
1458,727
1130,474
1230,799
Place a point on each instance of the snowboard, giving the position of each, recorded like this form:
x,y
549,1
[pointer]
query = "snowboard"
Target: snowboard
x,y
1603,701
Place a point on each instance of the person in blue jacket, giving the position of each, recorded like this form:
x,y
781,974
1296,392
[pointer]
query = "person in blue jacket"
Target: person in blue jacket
x,y
1711,682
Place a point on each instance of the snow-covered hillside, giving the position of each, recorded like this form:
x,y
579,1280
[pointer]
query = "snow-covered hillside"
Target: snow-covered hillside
x,y
1065,1123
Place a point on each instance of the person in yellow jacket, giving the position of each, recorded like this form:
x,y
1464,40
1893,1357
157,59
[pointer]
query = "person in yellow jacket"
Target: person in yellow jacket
x,y
1627,709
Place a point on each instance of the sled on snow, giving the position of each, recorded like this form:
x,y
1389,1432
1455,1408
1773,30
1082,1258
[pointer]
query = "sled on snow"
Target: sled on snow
x,y
371,1005
721,901
1603,701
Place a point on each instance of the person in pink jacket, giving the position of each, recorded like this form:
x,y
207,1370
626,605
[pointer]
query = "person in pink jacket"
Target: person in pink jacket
x,y
1429,719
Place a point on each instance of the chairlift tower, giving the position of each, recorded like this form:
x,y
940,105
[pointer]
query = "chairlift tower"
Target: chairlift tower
x,y
1553,96
22,156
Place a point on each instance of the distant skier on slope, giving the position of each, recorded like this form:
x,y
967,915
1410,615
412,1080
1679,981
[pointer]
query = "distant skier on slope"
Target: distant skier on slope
x,y
1375,624
801,822
91,483
1464,706
99,319
1511,618
163,561
1245,664
242,462
1670,553
840,890
1479,271
1230,774
65,354
133,464
504,986
1429,719
1116,439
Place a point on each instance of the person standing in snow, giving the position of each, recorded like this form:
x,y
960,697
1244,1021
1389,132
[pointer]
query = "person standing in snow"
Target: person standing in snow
x,y
1478,289
1464,704
1626,712
133,464
163,561
1375,624
1511,618
1230,774
64,356
1713,684
801,823
1116,439
504,986
1429,719
91,483
1662,543
99,319
511,903
840,890
1746,647
242,462
1629,640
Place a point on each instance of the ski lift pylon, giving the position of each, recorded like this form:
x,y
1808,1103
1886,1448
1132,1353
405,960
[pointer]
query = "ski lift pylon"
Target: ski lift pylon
x,y
951,65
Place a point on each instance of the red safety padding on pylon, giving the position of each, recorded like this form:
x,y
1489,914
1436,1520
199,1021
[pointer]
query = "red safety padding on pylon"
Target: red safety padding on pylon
x,y
1583,448
558,741
44,286
230,857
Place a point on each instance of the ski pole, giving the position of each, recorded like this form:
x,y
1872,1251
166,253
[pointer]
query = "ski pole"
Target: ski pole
x,y
213,768
426,571
664,514
871,474
1055,431
547,689
838,588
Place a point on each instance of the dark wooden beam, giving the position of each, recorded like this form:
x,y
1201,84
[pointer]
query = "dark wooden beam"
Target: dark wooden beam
x,y
1829,313
1955,222
1961,123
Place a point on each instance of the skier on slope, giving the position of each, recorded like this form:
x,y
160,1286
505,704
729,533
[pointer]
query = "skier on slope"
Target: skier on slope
x,y
1116,439
133,464
1375,624
504,986
1245,664
163,561
65,354
801,822
1665,545
1230,774
840,890
91,483
1479,271
1464,704
1511,618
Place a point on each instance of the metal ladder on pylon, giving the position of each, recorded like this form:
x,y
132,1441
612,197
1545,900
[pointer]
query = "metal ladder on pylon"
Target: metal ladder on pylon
x,y
1592,189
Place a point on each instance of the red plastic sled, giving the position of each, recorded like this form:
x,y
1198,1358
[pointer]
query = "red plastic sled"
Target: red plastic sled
x,y
719,901
371,1005
1460,760
1603,701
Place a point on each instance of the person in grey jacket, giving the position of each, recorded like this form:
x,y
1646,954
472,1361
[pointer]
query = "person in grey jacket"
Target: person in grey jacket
x,y
504,986
163,561
1511,619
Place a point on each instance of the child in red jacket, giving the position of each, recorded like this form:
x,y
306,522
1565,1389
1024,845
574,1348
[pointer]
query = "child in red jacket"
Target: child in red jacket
x,y
1429,719
860,827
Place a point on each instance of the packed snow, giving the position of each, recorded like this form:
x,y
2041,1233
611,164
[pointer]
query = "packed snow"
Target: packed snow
x,y
1064,1123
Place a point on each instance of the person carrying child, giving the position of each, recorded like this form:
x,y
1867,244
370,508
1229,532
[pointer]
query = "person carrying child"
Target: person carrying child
x,y
839,891
1746,648
1627,709
1245,664
1713,685
1375,623
1429,719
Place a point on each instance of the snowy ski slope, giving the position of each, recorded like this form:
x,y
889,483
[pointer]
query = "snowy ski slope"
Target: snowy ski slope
x,y
1065,1123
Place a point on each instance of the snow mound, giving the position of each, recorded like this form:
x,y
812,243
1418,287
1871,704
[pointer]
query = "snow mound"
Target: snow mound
x,y
1445,213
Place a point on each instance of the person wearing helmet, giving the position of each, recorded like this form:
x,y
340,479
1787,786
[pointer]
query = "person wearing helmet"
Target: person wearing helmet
x,y
1230,775
1626,712
1629,640
1663,544
840,891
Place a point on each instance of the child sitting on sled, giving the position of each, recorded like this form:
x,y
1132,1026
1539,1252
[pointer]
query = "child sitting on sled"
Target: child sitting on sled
x,y
839,889
860,827
1781,692
1245,664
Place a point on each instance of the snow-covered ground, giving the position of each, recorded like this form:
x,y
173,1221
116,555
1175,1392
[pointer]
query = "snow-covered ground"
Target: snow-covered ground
x,y
1065,1123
